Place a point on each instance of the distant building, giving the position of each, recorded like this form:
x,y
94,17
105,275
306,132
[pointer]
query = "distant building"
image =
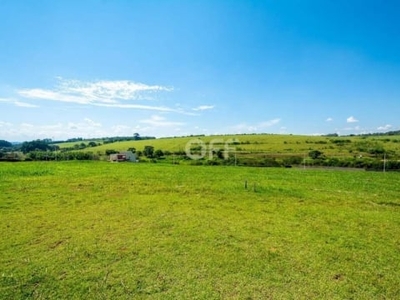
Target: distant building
x,y
123,156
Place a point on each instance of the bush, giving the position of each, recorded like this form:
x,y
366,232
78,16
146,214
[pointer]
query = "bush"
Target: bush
x,y
316,154
111,151
293,160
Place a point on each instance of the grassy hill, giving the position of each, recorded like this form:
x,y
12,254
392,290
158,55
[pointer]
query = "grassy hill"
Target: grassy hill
x,y
293,144
268,146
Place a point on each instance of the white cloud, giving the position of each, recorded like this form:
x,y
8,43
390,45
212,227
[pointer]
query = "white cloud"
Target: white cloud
x,y
203,107
158,121
92,123
122,130
352,120
24,104
119,94
26,125
86,128
18,103
142,107
269,123
386,127
329,119
5,124
356,128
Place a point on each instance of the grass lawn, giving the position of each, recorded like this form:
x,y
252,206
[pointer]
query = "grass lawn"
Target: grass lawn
x,y
96,230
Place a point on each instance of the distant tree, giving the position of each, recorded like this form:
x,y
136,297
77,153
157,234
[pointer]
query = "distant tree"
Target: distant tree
x,y
133,150
37,145
54,147
92,144
111,151
148,151
136,136
158,153
5,144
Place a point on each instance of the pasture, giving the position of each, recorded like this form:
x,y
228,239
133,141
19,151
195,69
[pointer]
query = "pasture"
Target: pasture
x,y
345,146
372,152
96,230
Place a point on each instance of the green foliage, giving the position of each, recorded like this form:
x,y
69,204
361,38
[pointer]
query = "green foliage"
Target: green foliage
x,y
92,144
37,145
5,144
148,151
292,160
340,142
158,153
51,155
376,150
316,154
132,149
111,151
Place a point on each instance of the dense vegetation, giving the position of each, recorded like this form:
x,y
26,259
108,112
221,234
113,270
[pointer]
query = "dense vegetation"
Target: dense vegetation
x,y
95,230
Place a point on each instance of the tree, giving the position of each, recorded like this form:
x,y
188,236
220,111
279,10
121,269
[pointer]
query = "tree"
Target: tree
x,y
148,151
315,154
111,151
133,150
136,136
40,145
159,153
92,144
5,144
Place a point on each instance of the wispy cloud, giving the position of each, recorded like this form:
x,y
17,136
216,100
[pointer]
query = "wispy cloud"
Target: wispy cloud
x,y
142,107
5,124
203,107
90,122
118,94
244,127
269,123
24,104
18,103
86,128
386,127
329,119
352,120
356,128
158,121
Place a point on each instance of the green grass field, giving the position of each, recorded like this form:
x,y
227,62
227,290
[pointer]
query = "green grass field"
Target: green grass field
x,y
96,230
269,144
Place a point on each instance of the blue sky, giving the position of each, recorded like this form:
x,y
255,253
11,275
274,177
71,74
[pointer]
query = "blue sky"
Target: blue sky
x,y
169,68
